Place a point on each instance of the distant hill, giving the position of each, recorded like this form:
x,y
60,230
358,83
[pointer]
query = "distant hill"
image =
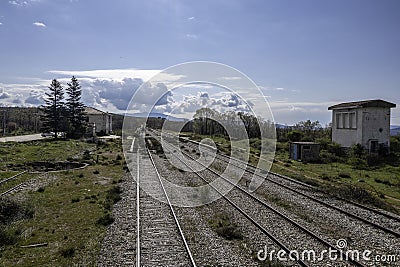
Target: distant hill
x,y
156,115
395,131
281,126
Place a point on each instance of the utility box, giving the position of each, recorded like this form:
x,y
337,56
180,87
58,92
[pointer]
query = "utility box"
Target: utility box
x,y
304,151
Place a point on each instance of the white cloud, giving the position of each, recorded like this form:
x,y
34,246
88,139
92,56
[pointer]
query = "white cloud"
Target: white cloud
x,y
4,95
189,103
36,97
233,78
113,74
291,112
39,24
23,2
269,88
1,23
191,18
18,3
191,36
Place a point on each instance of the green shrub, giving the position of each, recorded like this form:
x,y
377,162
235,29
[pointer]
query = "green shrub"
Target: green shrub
x,y
357,163
357,151
113,195
344,175
106,219
68,252
7,237
385,182
358,194
294,136
222,224
11,211
325,176
327,157
282,146
40,189
373,160
395,144
86,155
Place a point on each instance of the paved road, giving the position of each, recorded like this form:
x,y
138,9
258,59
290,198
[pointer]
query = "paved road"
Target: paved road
x,y
22,138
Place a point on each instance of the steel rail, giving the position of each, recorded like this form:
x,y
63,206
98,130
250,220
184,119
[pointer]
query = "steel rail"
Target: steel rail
x,y
387,230
396,218
173,212
137,212
11,189
12,177
260,227
326,243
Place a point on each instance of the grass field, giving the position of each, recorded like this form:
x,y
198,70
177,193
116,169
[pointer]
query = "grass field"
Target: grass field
x,y
70,213
383,181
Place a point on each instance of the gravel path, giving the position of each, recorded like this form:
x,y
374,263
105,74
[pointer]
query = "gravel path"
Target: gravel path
x,y
119,245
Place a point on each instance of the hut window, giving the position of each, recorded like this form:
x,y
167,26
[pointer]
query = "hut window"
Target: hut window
x,y
346,120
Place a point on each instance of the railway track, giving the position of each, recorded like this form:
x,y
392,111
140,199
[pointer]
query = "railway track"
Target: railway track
x,y
160,239
256,222
14,188
288,184
253,170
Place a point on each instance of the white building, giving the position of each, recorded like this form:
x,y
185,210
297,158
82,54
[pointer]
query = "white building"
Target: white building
x,y
101,122
362,122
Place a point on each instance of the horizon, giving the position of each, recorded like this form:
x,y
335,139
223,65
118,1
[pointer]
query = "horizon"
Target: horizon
x,y
304,56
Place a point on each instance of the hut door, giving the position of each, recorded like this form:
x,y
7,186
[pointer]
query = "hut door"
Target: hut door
x,y
373,146
295,152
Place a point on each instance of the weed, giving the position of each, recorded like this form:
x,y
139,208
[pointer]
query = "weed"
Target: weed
x,y
385,182
7,237
11,211
358,194
68,252
113,195
106,219
40,189
344,175
86,155
325,176
222,224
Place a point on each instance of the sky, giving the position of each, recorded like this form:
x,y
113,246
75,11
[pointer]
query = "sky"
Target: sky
x,y
303,55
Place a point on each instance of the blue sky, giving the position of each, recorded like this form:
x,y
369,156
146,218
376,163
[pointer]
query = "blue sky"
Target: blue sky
x,y
304,55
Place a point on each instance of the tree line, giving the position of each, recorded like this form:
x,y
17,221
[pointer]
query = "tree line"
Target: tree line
x,y
308,130
238,125
19,120
64,115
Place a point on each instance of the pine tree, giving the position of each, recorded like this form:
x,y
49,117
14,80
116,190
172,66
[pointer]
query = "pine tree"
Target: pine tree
x,y
75,109
53,109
